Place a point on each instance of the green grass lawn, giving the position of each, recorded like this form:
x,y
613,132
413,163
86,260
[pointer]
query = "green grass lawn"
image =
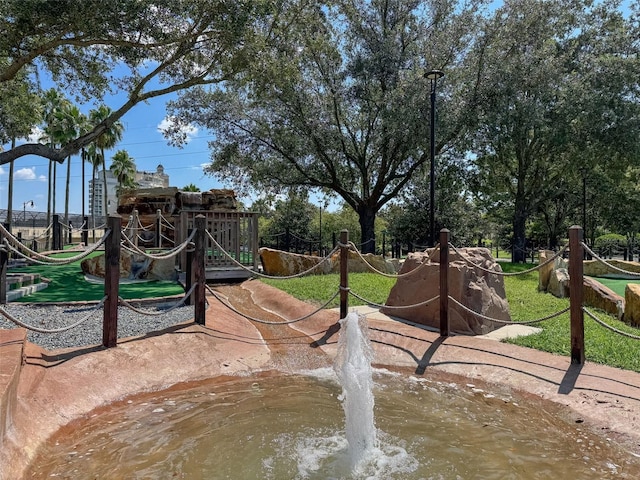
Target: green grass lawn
x,y
67,284
525,303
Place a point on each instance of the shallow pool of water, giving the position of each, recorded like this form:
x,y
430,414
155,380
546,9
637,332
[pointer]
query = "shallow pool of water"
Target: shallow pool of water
x,y
292,427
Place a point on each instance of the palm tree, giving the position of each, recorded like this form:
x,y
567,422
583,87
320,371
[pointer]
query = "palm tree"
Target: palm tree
x,y
191,188
108,139
124,169
67,126
52,102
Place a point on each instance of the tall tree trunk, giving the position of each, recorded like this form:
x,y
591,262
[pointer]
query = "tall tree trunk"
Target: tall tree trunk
x,y
55,170
10,189
66,192
367,219
104,186
518,254
83,157
49,201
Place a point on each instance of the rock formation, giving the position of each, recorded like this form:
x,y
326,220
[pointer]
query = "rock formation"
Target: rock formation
x,y
281,264
473,287
133,267
632,304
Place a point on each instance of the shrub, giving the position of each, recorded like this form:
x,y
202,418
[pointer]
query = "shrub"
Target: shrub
x,y
610,243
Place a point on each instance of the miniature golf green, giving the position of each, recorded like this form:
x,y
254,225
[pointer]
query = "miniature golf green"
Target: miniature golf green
x,y
618,285
67,284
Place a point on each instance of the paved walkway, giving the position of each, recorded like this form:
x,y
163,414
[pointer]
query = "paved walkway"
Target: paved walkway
x,y
56,387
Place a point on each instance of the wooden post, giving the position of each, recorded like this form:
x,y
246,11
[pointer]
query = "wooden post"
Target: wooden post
x,y
199,271
57,233
4,264
111,281
444,282
85,231
133,228
158,228
576,294
344,273
189,276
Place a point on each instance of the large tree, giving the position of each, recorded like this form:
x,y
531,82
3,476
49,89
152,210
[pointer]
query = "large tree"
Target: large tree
x,y
337,100
107,139
20,112
143,48
561,96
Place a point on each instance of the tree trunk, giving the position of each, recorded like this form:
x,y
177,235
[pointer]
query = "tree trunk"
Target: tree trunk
x,y
105,208
518,254
66,192
10,189
49,201
367,219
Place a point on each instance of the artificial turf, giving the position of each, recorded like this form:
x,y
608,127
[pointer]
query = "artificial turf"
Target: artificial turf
x,y
67,284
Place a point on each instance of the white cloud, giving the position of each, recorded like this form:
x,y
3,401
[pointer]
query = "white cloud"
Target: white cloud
x,y
25,174
2,171
42,178
171,126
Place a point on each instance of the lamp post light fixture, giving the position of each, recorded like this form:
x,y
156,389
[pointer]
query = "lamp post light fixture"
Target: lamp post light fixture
x,y
433,76
24,209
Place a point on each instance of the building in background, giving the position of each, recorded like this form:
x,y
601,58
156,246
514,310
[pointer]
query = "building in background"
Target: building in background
x,y
157,179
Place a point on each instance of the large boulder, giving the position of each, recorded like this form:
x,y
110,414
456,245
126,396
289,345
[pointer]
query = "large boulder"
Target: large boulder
x,y
478,290
544,273
632,304
282,264
598,296
279,263
133,267
559,283
360,263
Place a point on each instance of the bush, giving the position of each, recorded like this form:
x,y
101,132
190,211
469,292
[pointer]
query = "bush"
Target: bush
x,y
610,243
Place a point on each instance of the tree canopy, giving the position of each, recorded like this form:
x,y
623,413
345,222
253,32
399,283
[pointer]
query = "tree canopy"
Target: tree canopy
x,y
336,99
145,48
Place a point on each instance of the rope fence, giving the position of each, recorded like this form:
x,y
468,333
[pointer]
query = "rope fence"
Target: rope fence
x,y
117,240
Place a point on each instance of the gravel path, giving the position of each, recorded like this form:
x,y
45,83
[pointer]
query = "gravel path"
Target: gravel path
x,y
89,332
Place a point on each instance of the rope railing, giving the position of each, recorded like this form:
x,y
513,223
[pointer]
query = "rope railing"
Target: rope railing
x,y
115,243
609,327
166,223
508,322
393,307
22,324
35,257
272,277
177,304
266,322
133,248
512,274
608,265
353,247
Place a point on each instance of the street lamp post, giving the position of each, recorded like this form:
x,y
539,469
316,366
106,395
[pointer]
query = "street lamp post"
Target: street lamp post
x,y
433,76
24,209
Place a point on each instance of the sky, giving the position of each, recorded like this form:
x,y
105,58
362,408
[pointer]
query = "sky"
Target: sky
x,y
142,139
